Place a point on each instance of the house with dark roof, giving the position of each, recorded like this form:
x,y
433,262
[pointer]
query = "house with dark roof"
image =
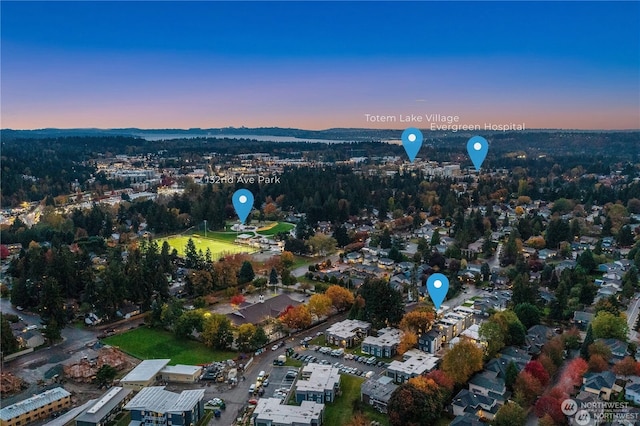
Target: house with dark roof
x,y
618,349
499,365
470,404
601,384
466,420
519,356
377,392
582,319
536,338
488,383
430,342
632,393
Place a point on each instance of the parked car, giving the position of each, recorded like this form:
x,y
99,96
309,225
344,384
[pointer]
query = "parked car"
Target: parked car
x,y
274,347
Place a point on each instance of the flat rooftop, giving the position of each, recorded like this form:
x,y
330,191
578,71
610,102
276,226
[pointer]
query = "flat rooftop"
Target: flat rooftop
x,y
145,371
271,409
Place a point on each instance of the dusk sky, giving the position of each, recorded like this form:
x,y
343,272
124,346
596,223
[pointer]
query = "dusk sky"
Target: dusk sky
x,y
317,65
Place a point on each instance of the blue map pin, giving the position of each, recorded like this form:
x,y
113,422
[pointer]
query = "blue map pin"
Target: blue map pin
x,y
477,147
438,286
412,141
243,203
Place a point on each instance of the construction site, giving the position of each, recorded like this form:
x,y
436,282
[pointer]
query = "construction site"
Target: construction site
x,y
84,371
10,384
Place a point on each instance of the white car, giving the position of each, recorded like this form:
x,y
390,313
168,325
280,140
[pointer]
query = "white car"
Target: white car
x,y
274,347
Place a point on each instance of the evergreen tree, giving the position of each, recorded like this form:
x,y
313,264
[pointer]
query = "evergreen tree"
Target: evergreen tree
x,y
385,239
8,342
273,276
588,340
191,255
341,236
435,238
511,374
606,227
625,236
246,273
586,261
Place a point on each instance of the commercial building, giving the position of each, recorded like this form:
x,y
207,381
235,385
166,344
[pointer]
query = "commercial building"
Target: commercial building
x,y
415,363
385,344
319,383
156,406
377,392
35,408
270,412
347,333
181,373
105,408
144,374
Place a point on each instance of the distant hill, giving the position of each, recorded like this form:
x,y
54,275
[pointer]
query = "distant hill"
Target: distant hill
x,y
337,134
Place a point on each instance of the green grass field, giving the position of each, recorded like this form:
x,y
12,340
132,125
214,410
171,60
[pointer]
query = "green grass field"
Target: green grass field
x,y
273,229
337,412
148,343
221,242
217,247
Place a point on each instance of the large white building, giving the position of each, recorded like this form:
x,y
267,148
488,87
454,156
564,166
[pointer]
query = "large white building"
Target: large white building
x,y
414,363
270,412
144,374
347,333
319,383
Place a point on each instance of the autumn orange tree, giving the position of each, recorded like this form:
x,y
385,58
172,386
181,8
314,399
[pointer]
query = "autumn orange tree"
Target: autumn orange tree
x,y
526,389
341,298
320,304
417,321
627,367
418,402
408,341
297,318
462,360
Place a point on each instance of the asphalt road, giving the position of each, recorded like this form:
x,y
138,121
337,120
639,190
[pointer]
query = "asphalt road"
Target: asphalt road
x,y
632,315
31,367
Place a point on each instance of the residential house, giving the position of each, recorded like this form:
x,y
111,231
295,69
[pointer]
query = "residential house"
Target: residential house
x,y
384,345
582,319
430,342
618,349
466,420
601,384
377,392
488,383
536,338
467,403
30,338
632,393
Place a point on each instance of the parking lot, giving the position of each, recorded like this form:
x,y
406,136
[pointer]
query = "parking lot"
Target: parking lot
x,y
280,382
346,363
